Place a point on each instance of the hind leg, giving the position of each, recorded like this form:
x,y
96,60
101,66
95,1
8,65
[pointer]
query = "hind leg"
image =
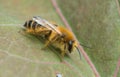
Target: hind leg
x,y
51,38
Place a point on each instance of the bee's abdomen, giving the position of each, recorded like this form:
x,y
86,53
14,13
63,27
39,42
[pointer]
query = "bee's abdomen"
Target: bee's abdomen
x,y
31,24
28,24
35,25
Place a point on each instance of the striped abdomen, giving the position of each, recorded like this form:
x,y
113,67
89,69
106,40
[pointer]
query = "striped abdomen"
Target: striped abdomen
x,y
31,24
33,27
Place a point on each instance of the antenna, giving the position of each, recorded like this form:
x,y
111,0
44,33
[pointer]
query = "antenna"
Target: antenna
x,y
78,52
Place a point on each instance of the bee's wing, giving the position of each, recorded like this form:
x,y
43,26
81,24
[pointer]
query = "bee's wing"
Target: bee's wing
x,y
45,23
39,20
52,27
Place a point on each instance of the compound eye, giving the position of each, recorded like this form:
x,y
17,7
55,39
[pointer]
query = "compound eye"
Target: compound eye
x,y
70,45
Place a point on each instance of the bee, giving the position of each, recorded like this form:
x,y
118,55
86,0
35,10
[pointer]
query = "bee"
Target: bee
x,y
57,36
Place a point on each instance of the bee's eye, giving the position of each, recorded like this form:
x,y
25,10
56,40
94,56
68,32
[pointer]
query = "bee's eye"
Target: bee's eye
x,y
70,46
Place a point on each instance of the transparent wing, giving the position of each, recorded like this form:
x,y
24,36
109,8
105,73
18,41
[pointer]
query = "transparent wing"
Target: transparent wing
x,y
39,20
45,23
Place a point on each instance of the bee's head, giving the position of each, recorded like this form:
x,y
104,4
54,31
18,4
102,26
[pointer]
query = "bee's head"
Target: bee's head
x,y
72,45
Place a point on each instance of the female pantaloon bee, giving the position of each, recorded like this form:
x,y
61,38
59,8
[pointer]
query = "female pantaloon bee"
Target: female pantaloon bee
x,y
58,36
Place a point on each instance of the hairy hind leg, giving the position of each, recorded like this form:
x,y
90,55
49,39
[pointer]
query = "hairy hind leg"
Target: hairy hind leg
x,y
51,38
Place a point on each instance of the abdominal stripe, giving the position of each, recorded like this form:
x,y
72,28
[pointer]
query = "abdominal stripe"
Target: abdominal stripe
x,y
29,23
25,24
34,25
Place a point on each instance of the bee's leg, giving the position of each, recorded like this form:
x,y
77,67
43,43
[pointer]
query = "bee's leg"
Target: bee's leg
x,y
62,53
46,45
48,37
62,56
